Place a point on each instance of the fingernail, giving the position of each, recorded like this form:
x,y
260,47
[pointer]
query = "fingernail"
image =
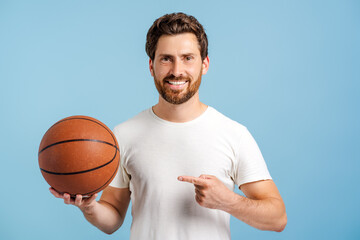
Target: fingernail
x,y
180,178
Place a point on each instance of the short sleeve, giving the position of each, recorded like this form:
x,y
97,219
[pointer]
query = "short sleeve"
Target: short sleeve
x,y
122,178
250,165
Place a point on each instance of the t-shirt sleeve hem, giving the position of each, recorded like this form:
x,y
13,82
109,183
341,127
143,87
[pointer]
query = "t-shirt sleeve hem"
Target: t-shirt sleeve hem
x,y
253,179
124,185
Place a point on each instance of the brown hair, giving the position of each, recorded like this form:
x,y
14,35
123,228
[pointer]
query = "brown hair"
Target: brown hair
x,y
175,23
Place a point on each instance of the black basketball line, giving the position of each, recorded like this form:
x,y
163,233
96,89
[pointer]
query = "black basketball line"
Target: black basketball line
x,y
77,140
84,118
107,182
84,171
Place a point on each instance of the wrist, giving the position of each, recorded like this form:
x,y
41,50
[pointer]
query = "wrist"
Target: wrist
x,y
89,209
231,202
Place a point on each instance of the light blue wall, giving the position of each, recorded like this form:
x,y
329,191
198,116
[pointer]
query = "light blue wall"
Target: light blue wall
x,y
288,70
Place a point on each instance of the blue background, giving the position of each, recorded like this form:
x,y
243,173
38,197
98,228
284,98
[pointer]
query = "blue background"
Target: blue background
x,y
288,70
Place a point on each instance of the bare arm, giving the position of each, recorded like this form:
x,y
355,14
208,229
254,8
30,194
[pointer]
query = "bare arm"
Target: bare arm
x,y
108,213
262,208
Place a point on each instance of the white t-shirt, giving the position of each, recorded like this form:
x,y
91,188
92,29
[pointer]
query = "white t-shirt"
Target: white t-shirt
x,y
154,152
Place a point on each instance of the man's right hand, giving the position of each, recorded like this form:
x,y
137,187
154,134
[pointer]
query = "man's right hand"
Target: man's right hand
x,y
108,213
86,205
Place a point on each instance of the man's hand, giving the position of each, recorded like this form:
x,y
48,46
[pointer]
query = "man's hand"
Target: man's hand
x,y
210,192
108,213
86,205
262,207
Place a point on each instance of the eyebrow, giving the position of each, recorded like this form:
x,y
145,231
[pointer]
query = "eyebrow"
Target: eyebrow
x,y
169,55
165,55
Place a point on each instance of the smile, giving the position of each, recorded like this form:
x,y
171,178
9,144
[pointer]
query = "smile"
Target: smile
x,y
176,82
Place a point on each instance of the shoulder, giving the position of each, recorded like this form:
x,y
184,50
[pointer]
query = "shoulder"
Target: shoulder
x,y
225,123
138,123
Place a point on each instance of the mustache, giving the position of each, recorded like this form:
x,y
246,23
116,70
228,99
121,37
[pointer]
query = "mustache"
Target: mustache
x,y
173,78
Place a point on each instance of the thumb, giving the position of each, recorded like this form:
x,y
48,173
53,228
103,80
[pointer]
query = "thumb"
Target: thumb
x,y
205,176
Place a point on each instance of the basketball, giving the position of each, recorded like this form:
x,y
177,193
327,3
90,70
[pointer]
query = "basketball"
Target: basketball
x,y
78,155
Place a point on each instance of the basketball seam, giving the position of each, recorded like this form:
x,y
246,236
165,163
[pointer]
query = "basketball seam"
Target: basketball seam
x,y
107,182
77,140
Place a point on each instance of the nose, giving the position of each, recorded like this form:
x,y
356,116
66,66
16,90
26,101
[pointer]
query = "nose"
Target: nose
x,y
177,68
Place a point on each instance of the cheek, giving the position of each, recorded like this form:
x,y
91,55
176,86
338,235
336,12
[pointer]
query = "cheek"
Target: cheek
x,y
196,73
195,70
163,73
160,73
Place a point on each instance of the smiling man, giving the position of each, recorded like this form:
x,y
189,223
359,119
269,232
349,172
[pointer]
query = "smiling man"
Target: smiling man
x,y
181,159
178,68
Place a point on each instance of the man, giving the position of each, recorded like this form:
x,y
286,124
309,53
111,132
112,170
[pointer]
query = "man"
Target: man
x,y
181,159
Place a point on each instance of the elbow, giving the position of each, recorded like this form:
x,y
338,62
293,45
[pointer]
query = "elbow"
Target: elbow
x,y
110,231
281,224
281,220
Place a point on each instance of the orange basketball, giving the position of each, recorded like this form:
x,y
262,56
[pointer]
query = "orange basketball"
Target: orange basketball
x,y
79,155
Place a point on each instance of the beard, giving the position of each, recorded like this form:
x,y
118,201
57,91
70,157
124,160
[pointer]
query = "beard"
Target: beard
x,y
177,96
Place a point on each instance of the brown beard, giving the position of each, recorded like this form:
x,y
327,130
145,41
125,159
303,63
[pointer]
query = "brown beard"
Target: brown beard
x,y
177,96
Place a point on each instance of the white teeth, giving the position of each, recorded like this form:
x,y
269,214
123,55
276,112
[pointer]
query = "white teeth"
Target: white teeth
x,y
176,83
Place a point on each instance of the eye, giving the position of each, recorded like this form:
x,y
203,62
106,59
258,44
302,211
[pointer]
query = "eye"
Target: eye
x,y
165,59
189,58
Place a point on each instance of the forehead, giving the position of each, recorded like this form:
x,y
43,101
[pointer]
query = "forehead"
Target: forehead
x,y
177,44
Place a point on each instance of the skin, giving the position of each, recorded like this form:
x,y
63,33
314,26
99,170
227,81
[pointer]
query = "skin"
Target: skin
x,y
178,57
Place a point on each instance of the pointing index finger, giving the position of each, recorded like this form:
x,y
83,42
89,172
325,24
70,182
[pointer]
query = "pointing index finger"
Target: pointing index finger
x,y
193,180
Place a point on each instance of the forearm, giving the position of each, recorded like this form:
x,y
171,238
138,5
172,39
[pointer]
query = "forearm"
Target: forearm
x,y
104,216
266,214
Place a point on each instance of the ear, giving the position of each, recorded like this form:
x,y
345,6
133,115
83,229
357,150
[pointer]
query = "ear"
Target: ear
x,y
151,67
205,65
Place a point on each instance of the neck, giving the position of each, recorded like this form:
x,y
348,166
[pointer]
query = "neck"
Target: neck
x,y
184,112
